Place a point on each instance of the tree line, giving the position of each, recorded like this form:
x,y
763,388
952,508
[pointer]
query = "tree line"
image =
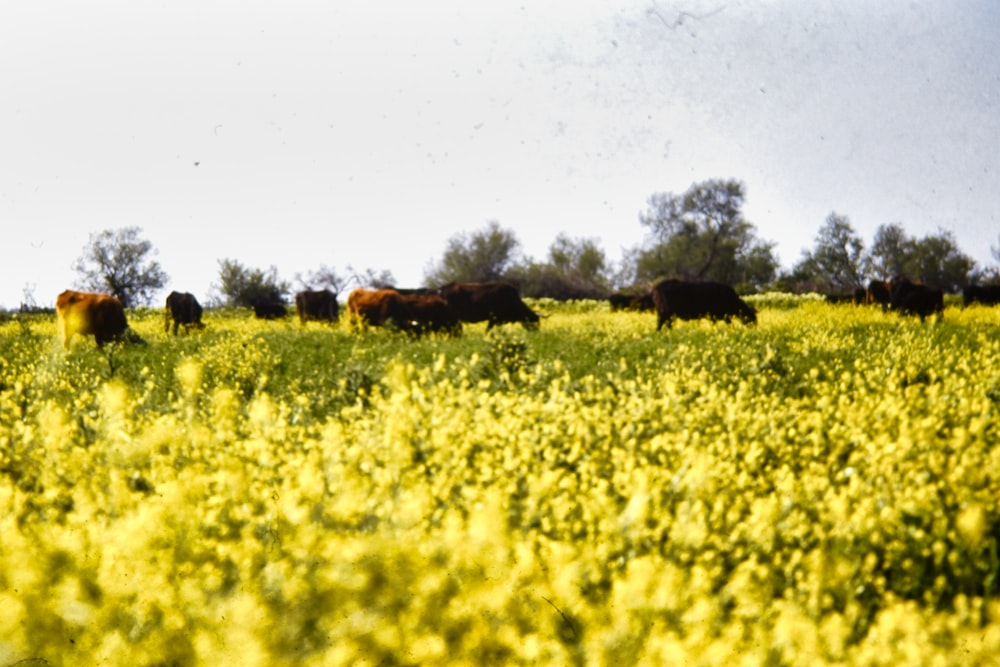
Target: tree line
x,y
700,234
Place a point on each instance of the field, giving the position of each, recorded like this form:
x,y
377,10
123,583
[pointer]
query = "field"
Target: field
x,y
821,489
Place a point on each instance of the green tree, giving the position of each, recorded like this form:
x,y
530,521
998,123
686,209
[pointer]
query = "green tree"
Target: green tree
x,y
935,259
575,269
891,253
487,254
242,286
116,261
703,235
938,261
836,263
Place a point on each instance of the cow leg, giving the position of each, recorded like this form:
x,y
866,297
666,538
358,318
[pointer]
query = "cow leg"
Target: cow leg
x,y
63,333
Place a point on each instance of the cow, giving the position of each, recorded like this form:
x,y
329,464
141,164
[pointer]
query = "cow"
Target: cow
x,y
364,306
493,302
182,308
857,296
988,295
319,305
90,314
269,310
420,313
640,302
413,312
695,300
909,298
880,292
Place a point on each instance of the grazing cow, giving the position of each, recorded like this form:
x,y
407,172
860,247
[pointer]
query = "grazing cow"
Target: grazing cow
x,y
364,306
625,301
269,310
319,305
405,291
492,302
879,291
988,295
911,298
88,314
695,300
420,313
414,312
182,308
856,296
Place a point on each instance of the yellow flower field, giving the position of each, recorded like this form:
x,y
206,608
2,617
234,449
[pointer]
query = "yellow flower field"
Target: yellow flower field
x,y
821,489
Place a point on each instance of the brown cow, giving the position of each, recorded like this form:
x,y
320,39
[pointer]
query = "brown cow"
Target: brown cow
x,y
319,305
695,300
415,313
492,302
89,314
182,308
364,306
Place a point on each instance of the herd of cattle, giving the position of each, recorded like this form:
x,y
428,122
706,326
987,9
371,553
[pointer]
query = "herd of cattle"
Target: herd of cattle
x,y
443,310
695,300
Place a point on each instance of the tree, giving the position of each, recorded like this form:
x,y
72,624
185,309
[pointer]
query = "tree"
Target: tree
x,y
934,259
891,254
702,235
242,286
487,254
989,274
575,269
371,278
116,262
938,261
325,277
836,263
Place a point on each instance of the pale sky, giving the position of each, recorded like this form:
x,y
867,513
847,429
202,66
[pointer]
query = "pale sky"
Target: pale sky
x,y
301,134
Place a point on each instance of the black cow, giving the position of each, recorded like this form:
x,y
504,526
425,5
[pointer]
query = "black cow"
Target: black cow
x,y
631,301
695,300
909,298
492,302
988,295
319,305
880,292
269,310
840,297
182,308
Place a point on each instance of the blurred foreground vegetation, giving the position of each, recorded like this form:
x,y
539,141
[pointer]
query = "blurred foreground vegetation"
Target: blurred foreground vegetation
x,y
819,489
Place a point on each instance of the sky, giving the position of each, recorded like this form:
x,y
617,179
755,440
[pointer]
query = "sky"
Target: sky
x,y
307,134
